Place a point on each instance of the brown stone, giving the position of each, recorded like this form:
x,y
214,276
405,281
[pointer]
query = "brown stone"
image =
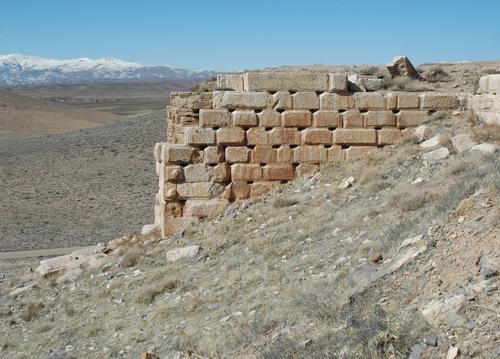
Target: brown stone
x,y
332,101
213,155
261,188
194,190
401,66
284,136
264,154
316,136
198,173
222,173
305,153
274,172
354,136
215,118
355,152
306,168
237,154
199,136
242,99
337,82
172,173
296,118
269,118
230,136
411,118
205,208
238,189
173,209
369,100
353,118
380,118
305,101
284,154
334,153
408,100
244,118
388,136
282,100
257,136
177,154
327,118
440,101
246,172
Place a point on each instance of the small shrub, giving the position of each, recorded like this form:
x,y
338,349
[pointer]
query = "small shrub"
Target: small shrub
x,y
148,294
131,257
415,200
281,202
32,311
369,71
437,74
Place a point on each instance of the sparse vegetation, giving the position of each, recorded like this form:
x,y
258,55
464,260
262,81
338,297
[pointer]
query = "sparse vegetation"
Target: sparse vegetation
x,y
131,257
32,311
281,202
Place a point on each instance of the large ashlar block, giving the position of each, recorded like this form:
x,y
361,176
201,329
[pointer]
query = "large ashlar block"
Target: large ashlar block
x,y
334,153
260,188
411,118
199,136
388,136
264,154
282,100
222,173
238,189
284,136
205,208
246,172
190,100
391,100
380,118
327,118
215,118
157,151
269,118
305,101
296,118
230,82
269,81
171,173
489,84
173,209
440,101
356,152
194,190
369,100
257,136
244,118
305,153
347,136
168,191
240,154
198,173
316,136
178,154
213,155
278,172
337,82
333,101
284,154
306,169
230,136
242,100
408,100
353,118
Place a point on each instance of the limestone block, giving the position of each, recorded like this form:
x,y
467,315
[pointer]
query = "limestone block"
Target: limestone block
x,y
337,82
243,100
168,190
222,173
260,188
257,136
334,153
440,101
284,136
388,136
205,208
199,136
176,225
369,100
316,136
264,154
213,155
284,154
353,118
172,173
487,148
401,66
189,121
327,118
282,100
244,118
177,154
306,153
332,101
305,101
215,118
462,142
355,152
179,253
411,118
238,189
306,169
237,154
355,136
198,173
269,118
194,190
432,142
436,155
230,82
380,118
230,136
277,172
489,84
391,100
296,118
173,209
157,151
275,81
246,172
408,100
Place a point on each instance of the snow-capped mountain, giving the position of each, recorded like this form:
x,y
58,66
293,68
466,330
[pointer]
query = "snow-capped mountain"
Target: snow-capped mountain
x,y
18,69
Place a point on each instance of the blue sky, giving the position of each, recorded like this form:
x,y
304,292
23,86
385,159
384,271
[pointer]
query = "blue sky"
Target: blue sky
x,y
231,35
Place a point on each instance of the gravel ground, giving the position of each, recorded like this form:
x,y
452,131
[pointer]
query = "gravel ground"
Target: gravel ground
x,y
80,187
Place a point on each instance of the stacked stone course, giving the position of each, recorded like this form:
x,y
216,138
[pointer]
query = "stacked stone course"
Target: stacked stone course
x,y
268,129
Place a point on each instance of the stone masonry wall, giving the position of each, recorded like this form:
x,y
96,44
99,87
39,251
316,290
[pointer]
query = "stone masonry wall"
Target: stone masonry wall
x,y
267,129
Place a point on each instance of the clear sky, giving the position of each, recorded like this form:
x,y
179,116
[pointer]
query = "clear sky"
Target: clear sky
x,y
231,35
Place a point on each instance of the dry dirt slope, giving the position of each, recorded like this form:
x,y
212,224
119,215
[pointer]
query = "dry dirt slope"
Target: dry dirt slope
x,y
312,271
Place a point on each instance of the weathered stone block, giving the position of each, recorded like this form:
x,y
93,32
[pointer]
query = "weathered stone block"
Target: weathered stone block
x,y
276,172
258,189
388,136
355,136
177,154
242,100
189,121
269,118
275,81
215,118
411,118
337,82
305,153
237,154
222,173
199,136
440,101
172,173
380,118
230,82
462,142
369,100
173,209
284,136
284,154
306,169
213,155
203,208
194,190
296,118
264,154
157,151
238,189
168,190
198,173
282,100
257,136
334,153
305,101
401,66
353,118
489,84
327,118
244,118
355,152
246,172
230,136
408,100
391,100
317,136
332,101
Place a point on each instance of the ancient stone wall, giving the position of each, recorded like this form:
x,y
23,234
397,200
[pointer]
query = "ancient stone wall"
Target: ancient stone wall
x,y
266,129
486,104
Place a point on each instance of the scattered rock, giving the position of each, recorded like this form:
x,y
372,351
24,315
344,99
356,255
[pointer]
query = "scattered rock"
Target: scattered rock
x,y
147,229
436,155
401,66
422,132
452,352
375,257
487,267
148,355
431,340
462,142
411,241
184,252
431,142
484,148
416,351
418,180
346,182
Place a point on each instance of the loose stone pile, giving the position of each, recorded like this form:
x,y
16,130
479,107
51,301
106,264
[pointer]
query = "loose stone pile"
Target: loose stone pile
x,y
264,129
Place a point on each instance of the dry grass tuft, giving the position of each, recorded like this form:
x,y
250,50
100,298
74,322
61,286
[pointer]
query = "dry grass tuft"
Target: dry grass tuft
x,y
148,293
486,133
281,202
414,200
32,311
131,257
